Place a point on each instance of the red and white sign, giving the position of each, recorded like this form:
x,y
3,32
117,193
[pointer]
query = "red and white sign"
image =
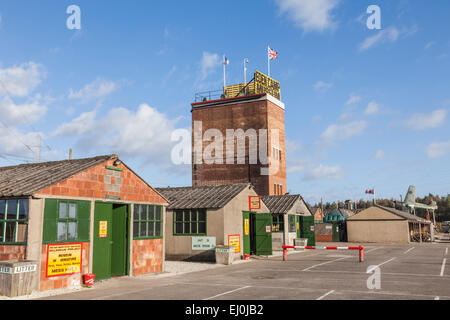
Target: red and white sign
x,y
268,229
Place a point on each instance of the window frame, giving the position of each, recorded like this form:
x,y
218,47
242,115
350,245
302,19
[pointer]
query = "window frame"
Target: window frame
x,y
190,221
5,220
67,221
292,225
279,219
147,222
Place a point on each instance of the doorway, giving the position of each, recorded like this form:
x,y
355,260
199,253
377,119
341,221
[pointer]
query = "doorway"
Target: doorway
x,y
257,233
110,240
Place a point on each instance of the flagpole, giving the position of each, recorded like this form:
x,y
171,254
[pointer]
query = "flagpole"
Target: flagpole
x,y
268,61
224,74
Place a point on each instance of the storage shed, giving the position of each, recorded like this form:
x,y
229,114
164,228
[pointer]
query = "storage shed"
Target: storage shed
x,y
73,217
199,218
287,213
385,225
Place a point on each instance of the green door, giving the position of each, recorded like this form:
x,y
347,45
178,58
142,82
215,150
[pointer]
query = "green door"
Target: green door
x,y
102,240
307,228
110,240
119,241
246,231
262,225
336,232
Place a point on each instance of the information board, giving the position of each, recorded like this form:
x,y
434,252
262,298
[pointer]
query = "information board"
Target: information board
x,y
64,259
254,202
203,243
265,84
235,241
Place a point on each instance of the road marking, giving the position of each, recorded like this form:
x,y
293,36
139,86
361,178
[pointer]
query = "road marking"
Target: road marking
x,y
323,263
379,265
408,250
374,249
446,251
437,298
325,295
443,267
228,292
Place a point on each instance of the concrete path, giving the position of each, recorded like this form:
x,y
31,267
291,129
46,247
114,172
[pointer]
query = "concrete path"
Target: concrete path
x,y
416,271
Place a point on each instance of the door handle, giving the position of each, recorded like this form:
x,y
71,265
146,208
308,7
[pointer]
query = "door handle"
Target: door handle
x,y
111,242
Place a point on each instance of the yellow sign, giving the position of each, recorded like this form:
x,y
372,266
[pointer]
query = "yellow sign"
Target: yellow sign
x,y
264,84
103,229
64,259
247,227
235,241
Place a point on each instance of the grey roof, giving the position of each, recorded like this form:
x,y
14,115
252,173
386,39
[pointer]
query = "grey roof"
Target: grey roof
x,y
205,197
281,204
27,179
403,214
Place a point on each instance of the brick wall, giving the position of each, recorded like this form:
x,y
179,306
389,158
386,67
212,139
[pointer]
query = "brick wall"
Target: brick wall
x,y
147,256
63,281
244,115
12,253
324,238
98,182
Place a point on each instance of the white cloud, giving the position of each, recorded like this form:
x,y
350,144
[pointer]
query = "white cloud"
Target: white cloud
x,y
343,131
427,121
322,86
353,99
21,80
27,113
429,45
379,155
324,172
145,133
310,15
390,34
96,90
209,64
14,143
438,149
372,108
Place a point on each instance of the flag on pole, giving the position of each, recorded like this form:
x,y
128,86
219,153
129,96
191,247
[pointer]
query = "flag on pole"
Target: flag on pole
x,y
370,191
273,54
226,61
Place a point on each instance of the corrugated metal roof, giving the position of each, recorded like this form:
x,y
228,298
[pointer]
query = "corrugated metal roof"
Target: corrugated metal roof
x,y
27,179
205,197
281,204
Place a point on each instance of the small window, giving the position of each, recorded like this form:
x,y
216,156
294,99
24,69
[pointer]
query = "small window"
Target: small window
x,y
148,221
13,221
67,221
292,224
278,223
190,222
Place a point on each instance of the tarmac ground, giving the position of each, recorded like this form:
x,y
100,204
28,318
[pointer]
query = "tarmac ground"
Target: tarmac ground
x,y
389,272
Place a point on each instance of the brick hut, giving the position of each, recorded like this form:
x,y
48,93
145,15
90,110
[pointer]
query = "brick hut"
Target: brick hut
x,y
92,215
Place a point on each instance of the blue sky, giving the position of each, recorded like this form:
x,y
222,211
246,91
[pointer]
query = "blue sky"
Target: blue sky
x,y
364,108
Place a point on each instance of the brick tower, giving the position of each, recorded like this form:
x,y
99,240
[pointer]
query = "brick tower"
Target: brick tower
x,y
249,108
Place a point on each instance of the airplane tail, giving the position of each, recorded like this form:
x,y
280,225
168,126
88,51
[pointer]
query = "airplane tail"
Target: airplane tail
x,y
411,195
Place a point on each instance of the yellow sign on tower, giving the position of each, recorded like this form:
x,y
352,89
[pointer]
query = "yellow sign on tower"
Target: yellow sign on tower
x,y
265,84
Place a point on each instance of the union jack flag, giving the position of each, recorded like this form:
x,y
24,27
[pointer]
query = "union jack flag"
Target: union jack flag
x,y
273,54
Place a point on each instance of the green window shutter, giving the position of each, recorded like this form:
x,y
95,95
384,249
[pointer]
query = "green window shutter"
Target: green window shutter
x,y
84,220
50,216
